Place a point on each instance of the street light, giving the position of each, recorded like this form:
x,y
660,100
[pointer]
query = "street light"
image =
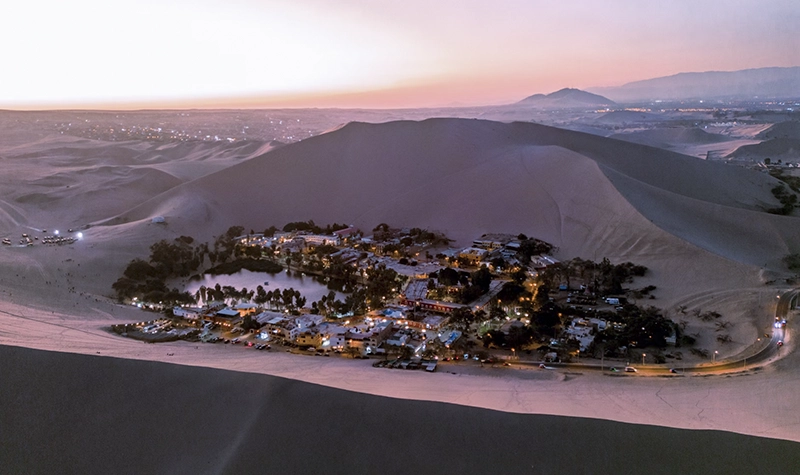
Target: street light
x,y
714,356
643,355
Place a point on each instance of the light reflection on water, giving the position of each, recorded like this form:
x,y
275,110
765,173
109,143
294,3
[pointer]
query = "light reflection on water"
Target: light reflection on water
x,y
308,286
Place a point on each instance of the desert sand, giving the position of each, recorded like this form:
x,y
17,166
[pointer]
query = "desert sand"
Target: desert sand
x,y
698,226
92,414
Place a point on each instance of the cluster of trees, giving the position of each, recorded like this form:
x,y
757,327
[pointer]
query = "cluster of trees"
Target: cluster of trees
x,y
251,264
329,305
343,275
604,277
225,245
311,227
286,299
642,327
383,232
787,198
517,337
423,236
543,322
382,283
792,261
473,285
222,293
146,280
792,181
529,247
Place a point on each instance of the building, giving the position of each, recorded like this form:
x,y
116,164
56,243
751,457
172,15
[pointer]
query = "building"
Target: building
x,y
273,325
473,254
189,313
487,244
227,317
543,262
432,305
250,239
246,308
318,239
433,322
345,233
368,341
333,336
309,337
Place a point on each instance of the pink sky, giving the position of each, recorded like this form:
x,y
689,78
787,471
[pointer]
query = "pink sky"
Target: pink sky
x,y
370,53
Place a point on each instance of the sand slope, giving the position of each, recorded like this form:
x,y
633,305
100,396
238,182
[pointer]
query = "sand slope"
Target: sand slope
x,y
467,177
788,129
144,417
671,137
696,224
782,147
63,181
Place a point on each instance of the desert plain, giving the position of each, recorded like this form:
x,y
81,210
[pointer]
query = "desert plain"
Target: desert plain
x,y
699,226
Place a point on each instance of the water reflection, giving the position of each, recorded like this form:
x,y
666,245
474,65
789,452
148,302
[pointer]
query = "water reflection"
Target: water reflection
x,y
310,287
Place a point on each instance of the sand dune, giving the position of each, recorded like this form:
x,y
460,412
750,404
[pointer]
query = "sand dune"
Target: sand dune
x,y
784,148
789,129
697,225
627,117
592,197
144,417
671,137
467,177
63,181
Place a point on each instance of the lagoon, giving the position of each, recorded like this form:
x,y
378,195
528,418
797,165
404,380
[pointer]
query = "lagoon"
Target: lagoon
x,y
311,288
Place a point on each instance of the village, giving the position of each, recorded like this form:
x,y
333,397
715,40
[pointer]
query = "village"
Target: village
x,y
413,301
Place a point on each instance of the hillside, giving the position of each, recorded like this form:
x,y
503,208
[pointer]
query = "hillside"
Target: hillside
x,y
566,98
789,129
777,148
468,177
669,137
781,83
63,181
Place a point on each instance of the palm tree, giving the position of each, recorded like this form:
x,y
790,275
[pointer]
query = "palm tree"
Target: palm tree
x,y
200,295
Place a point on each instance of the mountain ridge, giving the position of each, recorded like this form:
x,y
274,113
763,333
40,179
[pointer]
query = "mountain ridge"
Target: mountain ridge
x,y
567,97
745,84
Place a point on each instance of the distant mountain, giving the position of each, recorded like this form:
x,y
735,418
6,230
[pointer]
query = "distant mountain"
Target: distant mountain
x,y
763,83
567,98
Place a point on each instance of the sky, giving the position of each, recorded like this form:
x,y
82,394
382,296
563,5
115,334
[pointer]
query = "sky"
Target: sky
x,y
110,54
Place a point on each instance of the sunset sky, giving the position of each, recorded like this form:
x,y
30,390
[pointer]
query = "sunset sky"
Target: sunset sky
x,y
369,53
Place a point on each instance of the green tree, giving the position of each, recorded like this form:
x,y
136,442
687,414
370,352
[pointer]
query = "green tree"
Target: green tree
x,y
792,261
406,352
462,318
353,351
482,279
